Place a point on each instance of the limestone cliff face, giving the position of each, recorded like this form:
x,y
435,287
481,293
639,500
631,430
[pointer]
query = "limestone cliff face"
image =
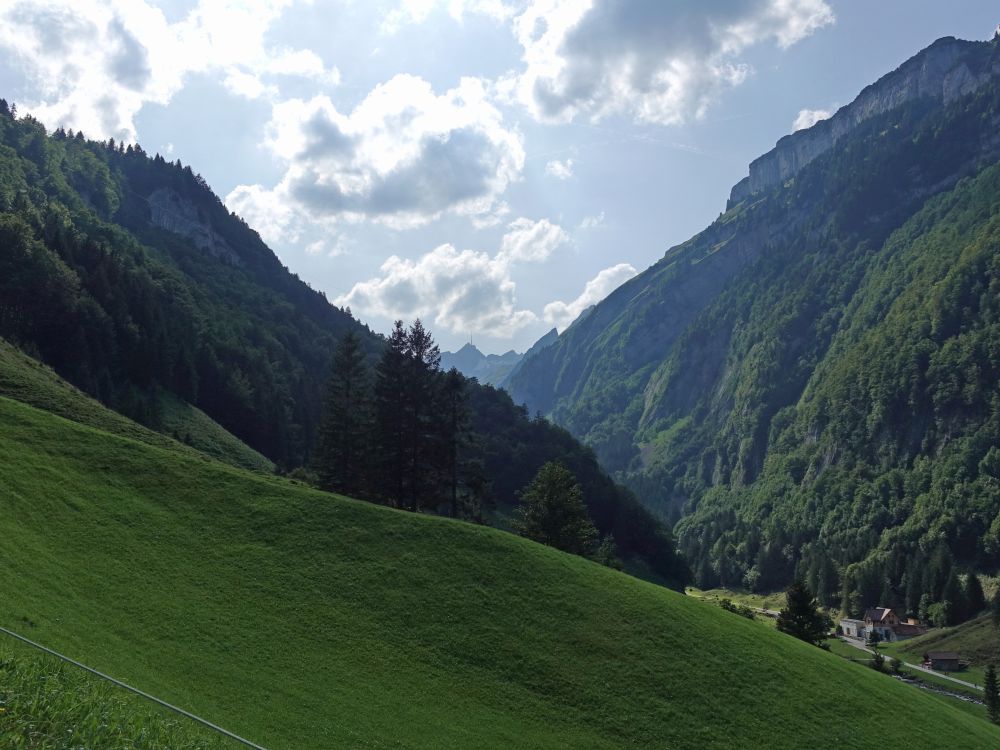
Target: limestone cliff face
x,y
171,211
947,70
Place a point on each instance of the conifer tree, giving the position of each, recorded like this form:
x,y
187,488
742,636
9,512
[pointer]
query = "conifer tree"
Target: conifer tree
x,y
454,424
991,694
390,419
423,461
552,512
801,616
995,608
342,446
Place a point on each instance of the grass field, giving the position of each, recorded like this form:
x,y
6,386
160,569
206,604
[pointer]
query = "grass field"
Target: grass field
x,y
29,381
47,704
301,620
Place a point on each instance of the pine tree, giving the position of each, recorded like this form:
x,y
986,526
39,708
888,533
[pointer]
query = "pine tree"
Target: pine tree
x,y
552,512
390,447
454,424
342,445
801,616
425,454
991,694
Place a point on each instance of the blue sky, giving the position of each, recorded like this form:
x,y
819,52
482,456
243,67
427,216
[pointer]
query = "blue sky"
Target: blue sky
x,y
493,166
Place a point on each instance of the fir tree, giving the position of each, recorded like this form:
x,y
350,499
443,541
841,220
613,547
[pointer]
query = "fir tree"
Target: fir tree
x,y
424,450
454,424
991,694
552,512
390,418
342,445
801,616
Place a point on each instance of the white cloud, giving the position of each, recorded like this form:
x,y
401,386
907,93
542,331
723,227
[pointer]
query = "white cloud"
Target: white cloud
x,y
417,11
561,170
465,291
530,240
809,117
94,64
561,314
592,222
659,62
402,157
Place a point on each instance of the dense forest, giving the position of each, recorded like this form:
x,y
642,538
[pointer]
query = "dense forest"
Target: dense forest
x,y
812,384
128,276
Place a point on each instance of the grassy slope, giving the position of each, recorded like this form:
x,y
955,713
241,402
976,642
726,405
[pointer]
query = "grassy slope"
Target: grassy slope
x,y
977,640
47,704
25,379
302,620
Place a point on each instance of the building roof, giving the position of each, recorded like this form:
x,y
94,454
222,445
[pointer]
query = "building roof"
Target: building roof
x,y
905,628
855,622
942,656
878,614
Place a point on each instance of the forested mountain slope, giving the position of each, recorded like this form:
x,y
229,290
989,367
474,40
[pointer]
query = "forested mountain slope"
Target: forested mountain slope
x,y
813,380
128,276
299,619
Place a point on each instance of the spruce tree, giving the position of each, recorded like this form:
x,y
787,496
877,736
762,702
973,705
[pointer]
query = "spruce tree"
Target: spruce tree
x,y
424,464
801,616
454,415
991,694
342,447
552,512
954,600
390,399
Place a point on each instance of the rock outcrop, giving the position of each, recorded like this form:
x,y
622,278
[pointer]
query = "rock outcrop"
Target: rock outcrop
x,y
948,69
171,211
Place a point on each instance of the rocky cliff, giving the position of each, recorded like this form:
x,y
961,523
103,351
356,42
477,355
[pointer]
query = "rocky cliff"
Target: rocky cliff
x,y
947,70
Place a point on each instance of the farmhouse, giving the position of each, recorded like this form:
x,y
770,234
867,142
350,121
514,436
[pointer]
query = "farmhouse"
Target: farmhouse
x,y
884,622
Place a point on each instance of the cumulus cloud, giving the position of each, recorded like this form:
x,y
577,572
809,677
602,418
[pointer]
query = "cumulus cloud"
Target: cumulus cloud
x,y
402,157
655,61
561,170
529,240
561,314
809,117
95,63
465,291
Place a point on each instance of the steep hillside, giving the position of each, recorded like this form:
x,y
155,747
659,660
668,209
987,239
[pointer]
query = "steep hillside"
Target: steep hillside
x,y
303,620
128,276
25,379
812,376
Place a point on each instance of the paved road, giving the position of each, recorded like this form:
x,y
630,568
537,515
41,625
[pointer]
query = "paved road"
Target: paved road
x,y
861,645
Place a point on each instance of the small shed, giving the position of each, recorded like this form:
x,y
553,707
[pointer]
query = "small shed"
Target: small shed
x,y
943,661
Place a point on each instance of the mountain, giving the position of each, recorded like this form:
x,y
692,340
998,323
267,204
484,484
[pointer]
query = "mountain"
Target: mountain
x,y
129,278
296,618
811,382
492,369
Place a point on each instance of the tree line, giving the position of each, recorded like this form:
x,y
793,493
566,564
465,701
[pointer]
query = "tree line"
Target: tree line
x,y
394,433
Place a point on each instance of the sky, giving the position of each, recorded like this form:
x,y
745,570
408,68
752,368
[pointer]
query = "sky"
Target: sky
x,y
493,167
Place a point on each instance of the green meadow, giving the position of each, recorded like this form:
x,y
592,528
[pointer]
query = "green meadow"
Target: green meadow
x,y
303,620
